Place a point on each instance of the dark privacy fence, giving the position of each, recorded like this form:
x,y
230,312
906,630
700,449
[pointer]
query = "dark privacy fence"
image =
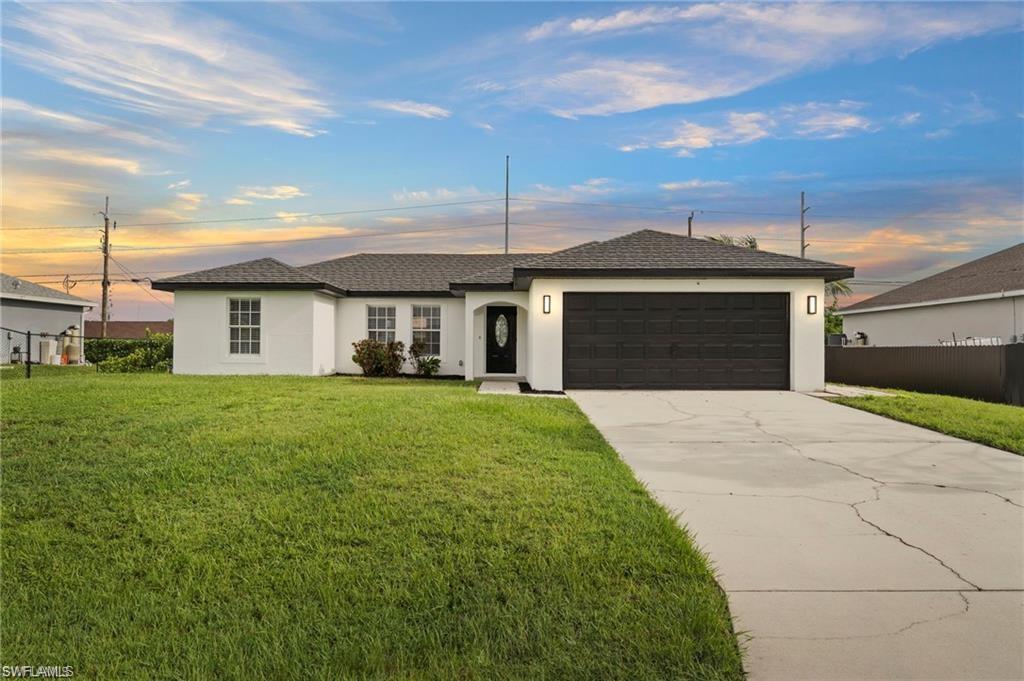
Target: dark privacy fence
x,y
992,372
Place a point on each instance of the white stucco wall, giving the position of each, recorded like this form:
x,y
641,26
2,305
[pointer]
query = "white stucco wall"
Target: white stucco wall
x,y
350,325
806,332
324,356
38,318
288,320
476,338
1003,317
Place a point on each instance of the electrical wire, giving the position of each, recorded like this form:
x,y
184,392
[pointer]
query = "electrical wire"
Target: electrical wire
x,y
369,235
261,218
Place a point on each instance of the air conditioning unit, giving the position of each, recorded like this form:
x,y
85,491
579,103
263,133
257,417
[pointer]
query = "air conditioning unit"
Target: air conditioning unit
x,y
47,348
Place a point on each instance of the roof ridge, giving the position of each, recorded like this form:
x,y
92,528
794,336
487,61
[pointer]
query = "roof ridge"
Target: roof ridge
x,y
418,254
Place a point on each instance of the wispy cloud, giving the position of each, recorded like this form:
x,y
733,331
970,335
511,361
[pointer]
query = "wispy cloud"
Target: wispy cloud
x,y
731,48
84,157
174,62
278,192
17,110
179,185
826,120
814,120
439,194
603,87
288,217
694,184
411,108
190,201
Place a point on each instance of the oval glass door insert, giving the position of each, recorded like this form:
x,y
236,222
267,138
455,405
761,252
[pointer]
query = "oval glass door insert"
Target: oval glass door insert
x,y
501,331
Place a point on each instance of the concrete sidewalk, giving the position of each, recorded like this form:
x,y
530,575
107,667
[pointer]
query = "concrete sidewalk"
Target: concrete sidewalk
x,y
851,546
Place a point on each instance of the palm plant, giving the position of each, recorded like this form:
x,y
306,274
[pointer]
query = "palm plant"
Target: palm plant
x,y
838,288
747,240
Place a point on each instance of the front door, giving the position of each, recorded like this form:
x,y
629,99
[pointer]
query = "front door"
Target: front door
x,y
501,340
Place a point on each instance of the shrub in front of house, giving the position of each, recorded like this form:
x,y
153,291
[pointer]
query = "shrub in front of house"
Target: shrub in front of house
x,y
100,349
426,365
152,353
379,358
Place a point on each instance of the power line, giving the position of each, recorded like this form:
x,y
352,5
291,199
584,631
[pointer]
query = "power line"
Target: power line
x,y
683,210
523,199
759,238
139,284
289,216
369,235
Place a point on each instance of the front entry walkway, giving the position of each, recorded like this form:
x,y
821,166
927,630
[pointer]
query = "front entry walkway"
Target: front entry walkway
x,y
851,546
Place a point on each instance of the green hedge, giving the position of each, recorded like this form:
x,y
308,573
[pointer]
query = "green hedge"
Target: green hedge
x,y
99,349
153,353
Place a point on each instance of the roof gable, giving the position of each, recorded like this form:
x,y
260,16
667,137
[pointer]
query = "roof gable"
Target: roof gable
x,y
995,273
260,273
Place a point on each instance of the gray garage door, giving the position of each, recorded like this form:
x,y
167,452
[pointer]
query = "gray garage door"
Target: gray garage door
x,y
676,340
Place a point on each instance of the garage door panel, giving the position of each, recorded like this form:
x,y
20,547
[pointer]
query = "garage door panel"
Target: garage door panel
x,y
676,340
628,351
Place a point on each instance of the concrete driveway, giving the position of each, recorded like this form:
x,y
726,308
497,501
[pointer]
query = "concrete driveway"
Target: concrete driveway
x,y
851,546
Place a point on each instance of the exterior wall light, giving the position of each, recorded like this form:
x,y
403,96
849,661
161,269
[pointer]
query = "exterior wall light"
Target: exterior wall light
x,y
812,304
547,304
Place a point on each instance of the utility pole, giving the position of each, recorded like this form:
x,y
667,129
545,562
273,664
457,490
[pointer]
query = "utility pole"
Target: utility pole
x,y
105,303
689,225
803,227
506,204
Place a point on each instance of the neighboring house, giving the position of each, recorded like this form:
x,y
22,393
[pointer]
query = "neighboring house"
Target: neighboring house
x,y
28,307
644,310
127,330
978,302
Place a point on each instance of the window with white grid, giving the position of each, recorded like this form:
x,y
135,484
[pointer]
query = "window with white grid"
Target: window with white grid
x,y
380,323
244,326
426,327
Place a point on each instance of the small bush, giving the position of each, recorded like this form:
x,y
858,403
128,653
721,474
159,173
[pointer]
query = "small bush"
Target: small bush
x,y
426,365
377,358
100,349
154,353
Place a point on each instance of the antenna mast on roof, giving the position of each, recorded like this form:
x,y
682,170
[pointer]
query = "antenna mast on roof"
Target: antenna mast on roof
x,y
506,204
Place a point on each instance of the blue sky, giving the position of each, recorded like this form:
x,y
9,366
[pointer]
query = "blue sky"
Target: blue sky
x,y
902,122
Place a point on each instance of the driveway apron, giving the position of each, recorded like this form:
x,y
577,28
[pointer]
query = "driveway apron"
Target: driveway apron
x,y
851,546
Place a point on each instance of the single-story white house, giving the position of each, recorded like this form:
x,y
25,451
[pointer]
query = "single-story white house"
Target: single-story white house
x,y
50,315
645,310
979,302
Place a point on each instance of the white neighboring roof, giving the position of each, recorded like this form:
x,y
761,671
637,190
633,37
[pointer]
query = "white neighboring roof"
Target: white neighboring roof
x,y
13,288
941,301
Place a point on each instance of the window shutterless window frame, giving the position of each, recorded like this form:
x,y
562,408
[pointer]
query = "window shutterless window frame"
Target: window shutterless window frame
x,y
433,327
240,323
374,328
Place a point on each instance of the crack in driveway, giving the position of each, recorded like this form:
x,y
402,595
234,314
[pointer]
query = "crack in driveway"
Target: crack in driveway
x,y
878,484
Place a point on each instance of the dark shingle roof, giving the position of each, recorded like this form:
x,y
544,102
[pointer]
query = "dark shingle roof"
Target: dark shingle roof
x,y
643,253
661,252
265,272
408,272
502,274
13,286
1001,271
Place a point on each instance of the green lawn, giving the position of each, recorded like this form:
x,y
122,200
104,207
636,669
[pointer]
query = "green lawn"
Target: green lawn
x,y
271,527
995,425
16,371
